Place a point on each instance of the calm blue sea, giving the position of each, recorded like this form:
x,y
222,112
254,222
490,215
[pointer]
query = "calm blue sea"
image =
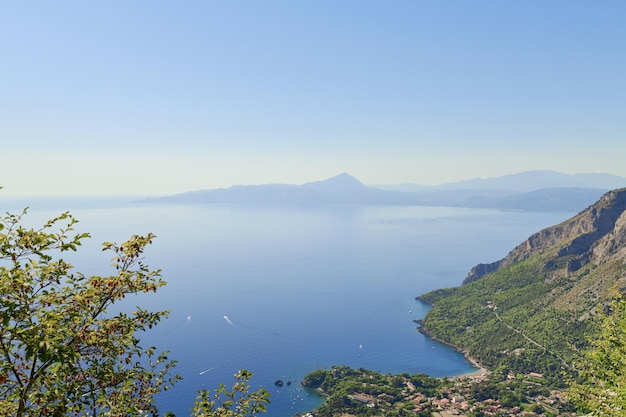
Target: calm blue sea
x,y
282,291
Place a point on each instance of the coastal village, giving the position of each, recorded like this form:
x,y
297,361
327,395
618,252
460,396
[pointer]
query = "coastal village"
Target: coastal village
x,y
457,400
464,396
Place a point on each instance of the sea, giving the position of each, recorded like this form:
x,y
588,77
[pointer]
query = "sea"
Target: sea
x,y
284,290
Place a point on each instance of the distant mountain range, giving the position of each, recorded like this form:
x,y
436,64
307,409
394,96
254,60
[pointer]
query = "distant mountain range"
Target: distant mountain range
x,y
341,189
528,191
525,181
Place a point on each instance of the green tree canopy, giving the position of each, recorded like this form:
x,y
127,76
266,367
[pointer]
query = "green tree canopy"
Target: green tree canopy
x,y
238,401
61,350
602,388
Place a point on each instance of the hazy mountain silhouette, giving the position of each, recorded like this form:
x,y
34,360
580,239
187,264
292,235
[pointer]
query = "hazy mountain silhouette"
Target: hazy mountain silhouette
x,y
341,189
535,180
530,191
522,182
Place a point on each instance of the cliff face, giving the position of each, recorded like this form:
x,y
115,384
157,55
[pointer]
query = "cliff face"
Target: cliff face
x,y
596,235
533,309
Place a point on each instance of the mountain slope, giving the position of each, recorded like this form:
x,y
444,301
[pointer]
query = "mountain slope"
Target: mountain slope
x,y
531,310
593,234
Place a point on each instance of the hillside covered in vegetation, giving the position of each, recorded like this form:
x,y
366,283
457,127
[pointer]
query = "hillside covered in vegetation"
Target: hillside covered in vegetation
x,y
531,310
530,319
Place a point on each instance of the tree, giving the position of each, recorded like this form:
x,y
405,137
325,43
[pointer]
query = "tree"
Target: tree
x,y
237,402
62,352
602,369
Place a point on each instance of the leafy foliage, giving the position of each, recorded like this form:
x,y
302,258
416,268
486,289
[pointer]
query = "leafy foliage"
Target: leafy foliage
x,y
61,352
239,401
602,386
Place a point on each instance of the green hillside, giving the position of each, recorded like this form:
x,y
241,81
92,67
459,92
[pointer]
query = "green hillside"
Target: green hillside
x,y
528,318
533,312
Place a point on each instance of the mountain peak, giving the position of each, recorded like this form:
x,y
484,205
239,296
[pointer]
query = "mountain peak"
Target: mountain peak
x,y
339,182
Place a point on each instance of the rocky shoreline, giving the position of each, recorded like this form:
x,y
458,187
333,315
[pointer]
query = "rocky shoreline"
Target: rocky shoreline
x,y
480,369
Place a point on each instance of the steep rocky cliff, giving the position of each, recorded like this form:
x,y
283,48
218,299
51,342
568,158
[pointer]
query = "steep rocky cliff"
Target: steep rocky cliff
x,y
597,234
533,309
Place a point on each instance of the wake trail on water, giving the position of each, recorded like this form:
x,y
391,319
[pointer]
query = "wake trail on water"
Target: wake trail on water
x,y
206,370
229,321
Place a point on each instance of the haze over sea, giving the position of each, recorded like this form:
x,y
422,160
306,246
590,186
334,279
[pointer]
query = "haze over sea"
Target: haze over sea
x,y
282,291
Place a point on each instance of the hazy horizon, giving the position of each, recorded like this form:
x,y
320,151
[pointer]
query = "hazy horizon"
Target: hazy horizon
x,y
155,98
515,185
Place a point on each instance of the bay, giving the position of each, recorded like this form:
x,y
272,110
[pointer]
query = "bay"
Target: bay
x,y
282,291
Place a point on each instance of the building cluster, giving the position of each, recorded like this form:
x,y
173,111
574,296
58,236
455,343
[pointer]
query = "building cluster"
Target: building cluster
x,y
478,394
456,401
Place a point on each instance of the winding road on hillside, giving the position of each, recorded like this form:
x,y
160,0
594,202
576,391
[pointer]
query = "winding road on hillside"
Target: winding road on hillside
x,y
534,342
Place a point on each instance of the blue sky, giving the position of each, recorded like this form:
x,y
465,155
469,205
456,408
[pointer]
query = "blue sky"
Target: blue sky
x,y
159,97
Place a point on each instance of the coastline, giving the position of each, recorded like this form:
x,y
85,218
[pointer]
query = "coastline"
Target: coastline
x,y
480,370
477,374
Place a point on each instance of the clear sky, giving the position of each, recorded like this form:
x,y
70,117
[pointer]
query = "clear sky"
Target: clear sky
x,y
151,97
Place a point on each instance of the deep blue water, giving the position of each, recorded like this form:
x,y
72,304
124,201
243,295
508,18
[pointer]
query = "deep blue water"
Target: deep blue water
x,y
302,289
